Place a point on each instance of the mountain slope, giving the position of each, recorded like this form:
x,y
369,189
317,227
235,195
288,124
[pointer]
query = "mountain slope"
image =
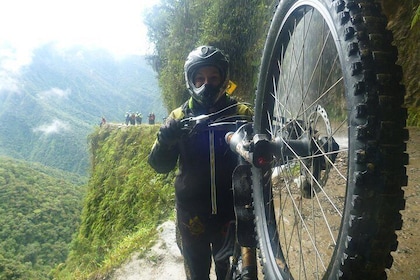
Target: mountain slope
x,y
39,212
63,95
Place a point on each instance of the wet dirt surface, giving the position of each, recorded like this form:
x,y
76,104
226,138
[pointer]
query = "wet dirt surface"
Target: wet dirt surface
x,y
407,257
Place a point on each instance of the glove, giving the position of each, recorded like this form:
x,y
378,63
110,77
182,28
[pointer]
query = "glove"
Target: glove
x,y
170,132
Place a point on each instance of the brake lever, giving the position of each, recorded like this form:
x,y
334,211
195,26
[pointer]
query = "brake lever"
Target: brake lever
x,y
188,124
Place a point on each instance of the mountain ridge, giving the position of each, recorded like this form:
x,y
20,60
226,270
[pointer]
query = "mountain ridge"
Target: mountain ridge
x,y
62,97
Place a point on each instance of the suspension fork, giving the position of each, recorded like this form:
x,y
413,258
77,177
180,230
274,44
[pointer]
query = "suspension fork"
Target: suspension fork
x,y
242,193
242,186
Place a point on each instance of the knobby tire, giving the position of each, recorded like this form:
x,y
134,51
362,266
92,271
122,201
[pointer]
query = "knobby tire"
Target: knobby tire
x,y
328,71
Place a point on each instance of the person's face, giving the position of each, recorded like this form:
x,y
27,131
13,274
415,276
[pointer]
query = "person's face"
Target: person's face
x,y
207,75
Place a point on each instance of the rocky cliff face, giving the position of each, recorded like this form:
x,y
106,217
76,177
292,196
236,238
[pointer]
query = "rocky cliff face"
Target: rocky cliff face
x,y
407,39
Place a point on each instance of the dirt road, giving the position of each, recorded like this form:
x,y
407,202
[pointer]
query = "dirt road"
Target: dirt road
x,y
406,259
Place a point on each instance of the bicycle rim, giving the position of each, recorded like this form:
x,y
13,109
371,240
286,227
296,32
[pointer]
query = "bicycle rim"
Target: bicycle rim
x,y
328,74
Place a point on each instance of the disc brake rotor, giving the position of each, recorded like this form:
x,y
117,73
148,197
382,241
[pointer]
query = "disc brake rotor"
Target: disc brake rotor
x,y
314,174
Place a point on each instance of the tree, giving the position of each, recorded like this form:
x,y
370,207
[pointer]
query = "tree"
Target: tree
x,y
178,26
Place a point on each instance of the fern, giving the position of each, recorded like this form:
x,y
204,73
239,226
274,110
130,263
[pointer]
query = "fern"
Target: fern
x,y
416,17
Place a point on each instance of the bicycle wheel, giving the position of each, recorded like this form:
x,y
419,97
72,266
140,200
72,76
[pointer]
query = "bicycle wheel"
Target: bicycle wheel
x,y
329,95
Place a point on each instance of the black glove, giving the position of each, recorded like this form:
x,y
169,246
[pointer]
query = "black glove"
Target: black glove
x,y
170,132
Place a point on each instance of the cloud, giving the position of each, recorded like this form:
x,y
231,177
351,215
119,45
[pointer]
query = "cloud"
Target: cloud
x,y
54,93
8,83
11,62
56,127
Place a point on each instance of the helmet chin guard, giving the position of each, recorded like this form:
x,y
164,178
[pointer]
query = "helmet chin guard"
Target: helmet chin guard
x,y
206,95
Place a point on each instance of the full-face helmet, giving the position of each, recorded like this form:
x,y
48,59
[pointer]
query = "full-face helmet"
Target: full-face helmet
x,y
206,95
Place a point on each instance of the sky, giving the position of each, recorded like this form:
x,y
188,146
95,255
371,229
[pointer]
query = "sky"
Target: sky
x,y
116,25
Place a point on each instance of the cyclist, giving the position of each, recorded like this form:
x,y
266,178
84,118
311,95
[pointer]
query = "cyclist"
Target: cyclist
x,y
203,187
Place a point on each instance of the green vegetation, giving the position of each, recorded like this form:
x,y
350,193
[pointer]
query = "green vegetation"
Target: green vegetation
x,y
125,202
416,17
413,116
403,21
39,210
237,27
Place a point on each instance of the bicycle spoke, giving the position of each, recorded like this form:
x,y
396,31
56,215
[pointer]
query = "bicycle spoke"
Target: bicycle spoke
x,y
290,104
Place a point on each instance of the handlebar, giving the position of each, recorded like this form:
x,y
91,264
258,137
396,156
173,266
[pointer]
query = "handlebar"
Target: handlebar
x,y
257,149
254,149
205,123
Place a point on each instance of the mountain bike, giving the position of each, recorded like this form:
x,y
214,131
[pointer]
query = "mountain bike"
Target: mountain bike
x,y
327,147
328,152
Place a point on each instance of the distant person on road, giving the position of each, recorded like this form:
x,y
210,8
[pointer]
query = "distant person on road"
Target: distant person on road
x,y
152,118
127,118
139,118
103,121
204,200
133,119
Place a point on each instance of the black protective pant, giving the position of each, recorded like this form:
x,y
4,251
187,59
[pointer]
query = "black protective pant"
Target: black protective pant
x,y
201,238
